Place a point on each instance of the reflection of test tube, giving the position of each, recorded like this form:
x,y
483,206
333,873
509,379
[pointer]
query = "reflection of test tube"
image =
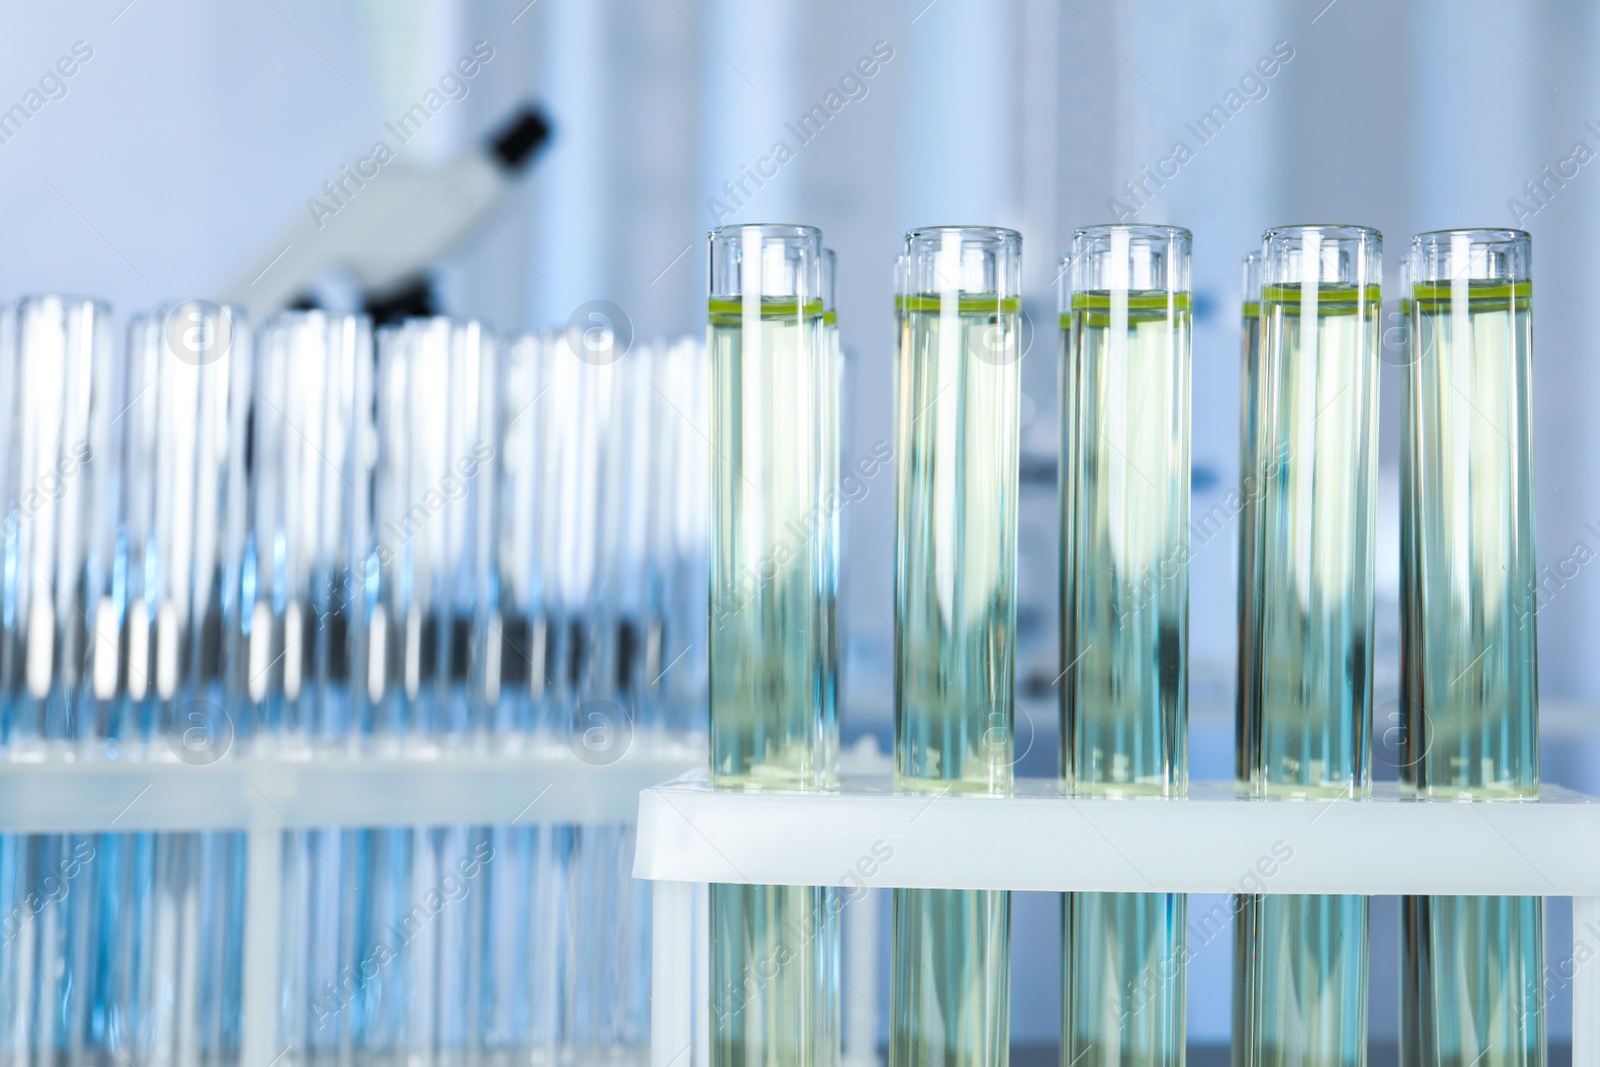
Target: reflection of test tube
x,y
1473,971
957,448
1125,616
1304,969
431,490
1247,703
306,515
769,604
59,497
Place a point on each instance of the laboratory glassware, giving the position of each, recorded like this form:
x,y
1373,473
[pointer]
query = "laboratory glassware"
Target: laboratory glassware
x,y
1473,967
1304,968
957,454
774,949
1126,365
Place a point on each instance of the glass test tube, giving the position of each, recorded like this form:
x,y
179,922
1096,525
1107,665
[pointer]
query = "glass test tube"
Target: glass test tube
x,y
304,629
769,604
957,453
1473,967
1125,617
1247,703
431,491
303,672
181,432
59,500
1304,971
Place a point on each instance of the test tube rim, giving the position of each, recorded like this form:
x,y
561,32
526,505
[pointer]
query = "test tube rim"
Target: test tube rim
x,y
1477,236
767,229
1141,229
988,234
1338,231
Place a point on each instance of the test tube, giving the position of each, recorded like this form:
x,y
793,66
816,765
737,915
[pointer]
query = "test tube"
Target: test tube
x,y
431,493
957,454
1247,703
1125,616
302,667
1304,969
59,500
1473,967
181,433
769,602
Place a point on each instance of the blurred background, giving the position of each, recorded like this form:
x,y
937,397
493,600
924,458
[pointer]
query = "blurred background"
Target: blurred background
x,y
193,143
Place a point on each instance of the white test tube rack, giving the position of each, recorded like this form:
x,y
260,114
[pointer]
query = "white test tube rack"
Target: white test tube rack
x,y
268,795
1040,839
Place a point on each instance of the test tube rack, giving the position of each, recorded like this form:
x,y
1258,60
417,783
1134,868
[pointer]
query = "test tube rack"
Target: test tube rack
x,y
1214,840
268,795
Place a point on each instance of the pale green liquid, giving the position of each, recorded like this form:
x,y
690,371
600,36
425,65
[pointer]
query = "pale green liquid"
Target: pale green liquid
x,y
772,547
1123,979
1125,618
1474,966
1125,549
774,975
1317,441
1301,983
774,452
1472,982
952,978
1302,1000
1477,718
957,427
